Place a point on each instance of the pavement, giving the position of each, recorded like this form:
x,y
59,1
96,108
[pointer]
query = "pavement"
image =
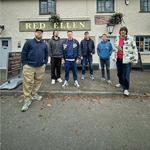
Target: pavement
x,y
140,85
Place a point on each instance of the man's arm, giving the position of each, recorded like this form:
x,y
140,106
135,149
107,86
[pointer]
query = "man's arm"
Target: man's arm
x,y
78,50
98,50
46,54
110,49
50,48
81,48
93,46
24,53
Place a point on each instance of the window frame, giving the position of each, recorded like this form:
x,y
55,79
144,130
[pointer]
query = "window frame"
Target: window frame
x,y
138,46
144,11
47,13
105,11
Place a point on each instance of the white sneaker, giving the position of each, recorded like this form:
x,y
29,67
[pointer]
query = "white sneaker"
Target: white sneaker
x,y
109,82
53,81
103,79
118,85
59,80
126,92
91,77
76,83
37,97
83,77
65,83
26,105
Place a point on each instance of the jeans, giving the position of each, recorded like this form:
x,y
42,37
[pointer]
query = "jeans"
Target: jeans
x,y
89,60
55,68
123,72
73,66
105,62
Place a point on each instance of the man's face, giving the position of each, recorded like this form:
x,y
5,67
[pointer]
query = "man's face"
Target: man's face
x,y
123,33
87,36
70,35
56,33
38,35
104,37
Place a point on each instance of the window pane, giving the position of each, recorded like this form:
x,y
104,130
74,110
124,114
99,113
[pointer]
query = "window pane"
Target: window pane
x,y
51,5
47,6
143,43
109,6
43,7
145,5
105,5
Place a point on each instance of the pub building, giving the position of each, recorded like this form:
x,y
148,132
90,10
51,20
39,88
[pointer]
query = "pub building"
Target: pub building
x,y
20,18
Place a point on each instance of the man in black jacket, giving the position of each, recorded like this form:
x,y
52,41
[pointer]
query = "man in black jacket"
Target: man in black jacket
x,y
56,54
34,58
87,49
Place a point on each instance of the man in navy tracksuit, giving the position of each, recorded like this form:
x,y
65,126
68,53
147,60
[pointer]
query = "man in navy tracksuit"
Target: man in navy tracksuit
x,y
71,57
104,51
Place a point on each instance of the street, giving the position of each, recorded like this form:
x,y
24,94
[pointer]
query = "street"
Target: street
x,y
76,123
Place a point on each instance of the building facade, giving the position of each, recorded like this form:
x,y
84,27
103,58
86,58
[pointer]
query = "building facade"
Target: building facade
x,y
21,17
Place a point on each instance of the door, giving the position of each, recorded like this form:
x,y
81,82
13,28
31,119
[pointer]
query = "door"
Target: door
x,y
5,48
112,40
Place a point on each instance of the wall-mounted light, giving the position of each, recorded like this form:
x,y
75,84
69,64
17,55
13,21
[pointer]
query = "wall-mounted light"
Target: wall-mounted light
x,y
127,2
1,28
110,28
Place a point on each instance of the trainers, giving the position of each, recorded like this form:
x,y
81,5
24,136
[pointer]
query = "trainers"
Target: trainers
x,y
26,105
109,82
65,83
103,79
76,84
92,77
118,85
53,81
83,77
59,80
126,92
37,97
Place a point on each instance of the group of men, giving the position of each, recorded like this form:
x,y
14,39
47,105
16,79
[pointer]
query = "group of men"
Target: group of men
x,y
69,52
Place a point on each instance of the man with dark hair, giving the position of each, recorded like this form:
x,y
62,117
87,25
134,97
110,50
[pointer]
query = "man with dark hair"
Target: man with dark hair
x,y
104,51
34,58
125,54
71,57
87,49
56,54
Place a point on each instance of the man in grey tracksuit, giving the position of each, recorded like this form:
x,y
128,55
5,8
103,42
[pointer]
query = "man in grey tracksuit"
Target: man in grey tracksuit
x,y
56,54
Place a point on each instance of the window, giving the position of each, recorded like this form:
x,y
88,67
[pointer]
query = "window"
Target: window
x,y
47,6
143,43
145,5
105,6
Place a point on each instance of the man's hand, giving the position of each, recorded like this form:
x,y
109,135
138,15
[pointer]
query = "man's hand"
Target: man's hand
x,y
62,61
78,61
120,48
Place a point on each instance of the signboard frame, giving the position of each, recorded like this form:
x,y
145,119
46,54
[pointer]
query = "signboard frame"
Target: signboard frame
x,y
49,26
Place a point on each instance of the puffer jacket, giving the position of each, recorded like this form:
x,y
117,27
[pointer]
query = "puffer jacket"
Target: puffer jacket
x,y
130,52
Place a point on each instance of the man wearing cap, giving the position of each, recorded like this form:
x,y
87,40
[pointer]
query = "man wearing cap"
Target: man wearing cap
x,y
34,58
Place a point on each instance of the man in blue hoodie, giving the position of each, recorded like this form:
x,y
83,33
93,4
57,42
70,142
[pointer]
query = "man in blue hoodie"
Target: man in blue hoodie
x,y
34,58
104,51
